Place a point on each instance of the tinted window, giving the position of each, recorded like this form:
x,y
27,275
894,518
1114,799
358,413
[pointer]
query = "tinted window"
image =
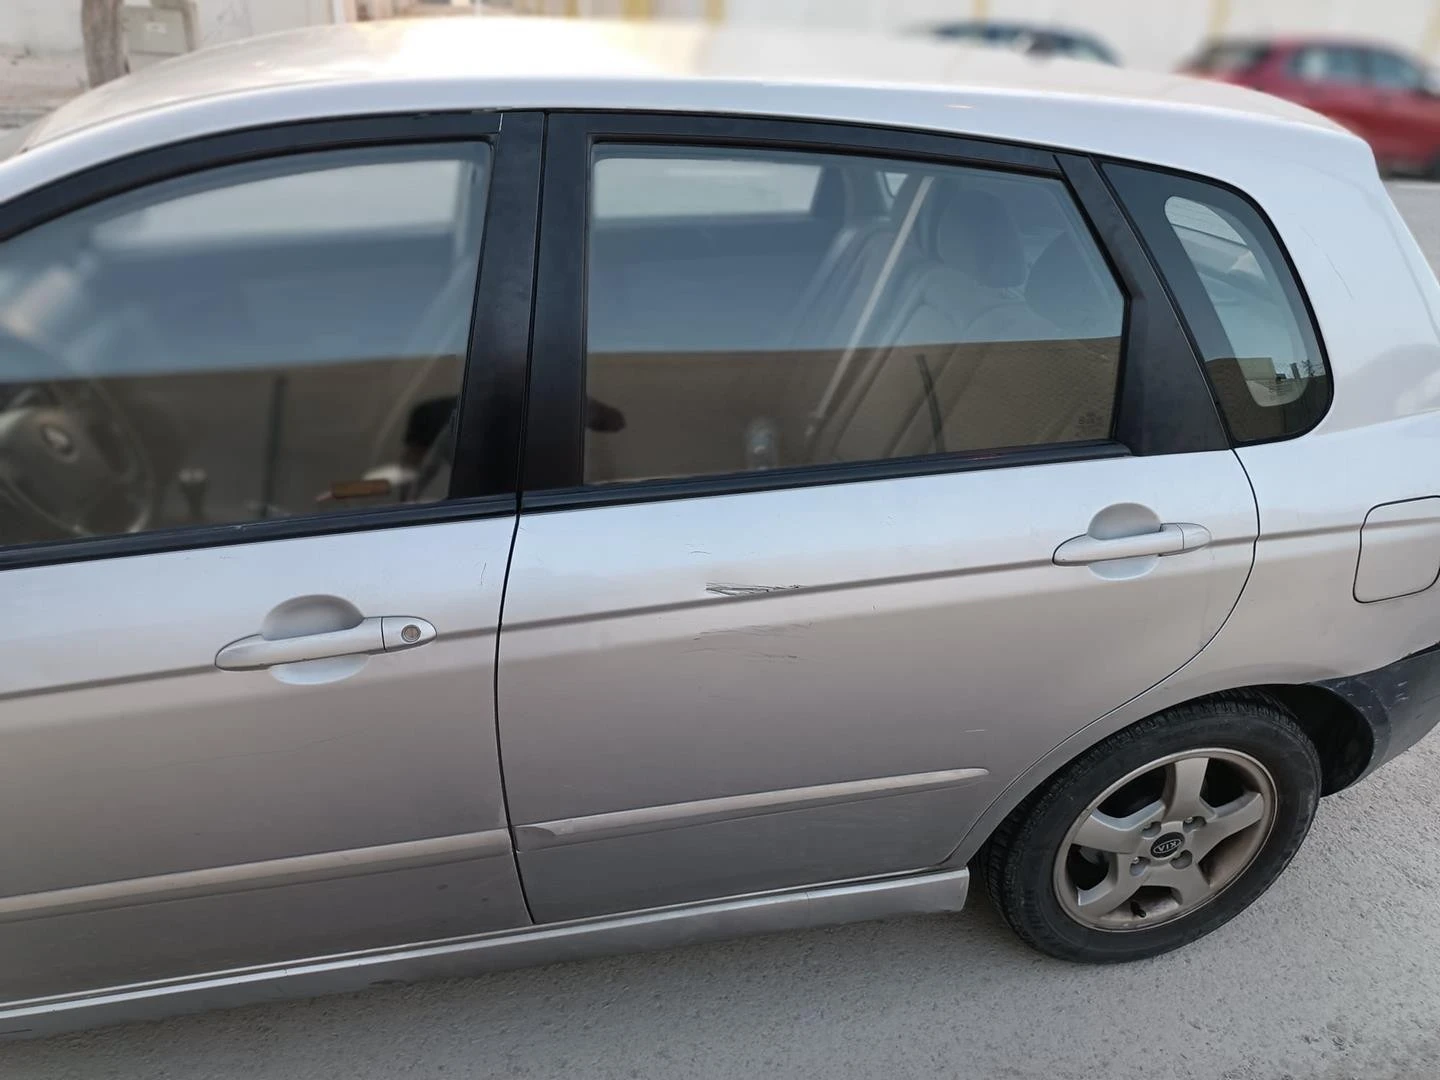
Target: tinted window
x,y
263,340
701,185
1231,57
1394,72
1240,299
989,33
971,311
1084,49
404,198
961,32
1330,64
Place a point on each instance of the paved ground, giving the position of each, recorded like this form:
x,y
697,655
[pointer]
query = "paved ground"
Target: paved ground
x,y
1334,975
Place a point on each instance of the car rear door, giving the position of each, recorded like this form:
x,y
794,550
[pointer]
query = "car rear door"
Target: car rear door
x,y
799,588
258,508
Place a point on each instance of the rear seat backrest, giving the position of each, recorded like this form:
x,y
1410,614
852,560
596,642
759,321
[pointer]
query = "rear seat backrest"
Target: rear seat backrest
x,y
971,259
969,353
1042,373
827,311
1062,288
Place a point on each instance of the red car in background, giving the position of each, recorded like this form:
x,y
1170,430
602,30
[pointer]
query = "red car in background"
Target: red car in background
x,y
1380,93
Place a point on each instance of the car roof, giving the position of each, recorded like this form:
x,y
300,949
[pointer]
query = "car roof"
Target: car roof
x,y
496,63
490,48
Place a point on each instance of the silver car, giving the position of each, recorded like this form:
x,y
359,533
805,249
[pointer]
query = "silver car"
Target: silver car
x,y
467,499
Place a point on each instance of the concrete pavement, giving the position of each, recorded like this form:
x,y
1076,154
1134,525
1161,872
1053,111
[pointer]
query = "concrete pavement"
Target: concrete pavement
x,y
1333,975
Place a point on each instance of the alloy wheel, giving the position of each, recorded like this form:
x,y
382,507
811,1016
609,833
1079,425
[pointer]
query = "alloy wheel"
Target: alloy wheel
x,y
1165,839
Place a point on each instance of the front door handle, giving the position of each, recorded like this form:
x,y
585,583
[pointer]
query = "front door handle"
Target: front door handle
x,y
1167,540
387,633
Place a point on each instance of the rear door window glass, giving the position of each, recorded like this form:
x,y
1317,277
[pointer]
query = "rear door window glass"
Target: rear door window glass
x,y
698,185
966,310
1239,297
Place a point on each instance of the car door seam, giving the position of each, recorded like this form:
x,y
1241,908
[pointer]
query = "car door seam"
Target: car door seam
x,y
1027,776
543,138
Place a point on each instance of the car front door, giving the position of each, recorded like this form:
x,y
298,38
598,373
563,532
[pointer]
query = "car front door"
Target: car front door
x,y
257,517
824,540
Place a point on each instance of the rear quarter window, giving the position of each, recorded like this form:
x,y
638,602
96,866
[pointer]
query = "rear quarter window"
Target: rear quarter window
x,y
1240,298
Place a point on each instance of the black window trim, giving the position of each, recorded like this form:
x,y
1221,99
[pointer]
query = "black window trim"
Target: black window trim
x,y
1166,404
1159,411
1203,310
485,473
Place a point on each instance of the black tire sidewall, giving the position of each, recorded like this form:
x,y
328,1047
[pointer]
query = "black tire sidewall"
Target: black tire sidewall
x,y
1028,897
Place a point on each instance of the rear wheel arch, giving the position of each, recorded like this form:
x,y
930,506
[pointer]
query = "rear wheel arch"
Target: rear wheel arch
x,y
1345,739
1058,888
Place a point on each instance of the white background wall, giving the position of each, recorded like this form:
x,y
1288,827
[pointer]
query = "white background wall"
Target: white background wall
x,y
225,20
1147,33
54,25
42,25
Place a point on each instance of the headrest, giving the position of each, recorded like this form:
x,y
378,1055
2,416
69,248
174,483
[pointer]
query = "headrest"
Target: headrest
x,y
972,231
1062,288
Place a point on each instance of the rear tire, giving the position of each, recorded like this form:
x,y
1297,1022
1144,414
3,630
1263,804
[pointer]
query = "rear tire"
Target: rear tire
x,y
1189,816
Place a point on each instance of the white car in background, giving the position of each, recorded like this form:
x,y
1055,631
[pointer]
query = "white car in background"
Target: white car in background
x,y
485,491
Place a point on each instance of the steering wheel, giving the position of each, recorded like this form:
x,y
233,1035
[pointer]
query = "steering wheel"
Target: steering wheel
x,y
71,464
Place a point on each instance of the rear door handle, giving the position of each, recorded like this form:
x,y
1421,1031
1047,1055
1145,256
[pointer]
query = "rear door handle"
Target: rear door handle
x,y
386,633
1172,539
